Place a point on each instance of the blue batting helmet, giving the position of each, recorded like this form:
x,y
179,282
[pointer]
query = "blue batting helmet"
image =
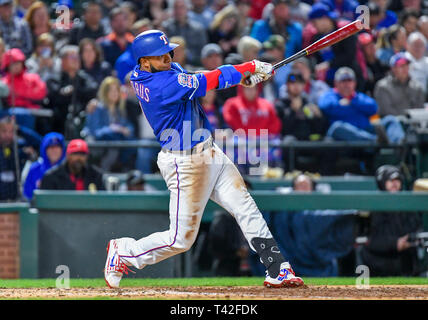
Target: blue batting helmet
x,y
151,43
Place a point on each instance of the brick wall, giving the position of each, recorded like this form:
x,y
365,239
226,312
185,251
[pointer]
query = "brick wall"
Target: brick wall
x,y
9,245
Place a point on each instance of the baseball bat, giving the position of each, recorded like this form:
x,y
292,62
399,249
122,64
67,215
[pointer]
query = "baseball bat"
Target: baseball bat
x,y
326,41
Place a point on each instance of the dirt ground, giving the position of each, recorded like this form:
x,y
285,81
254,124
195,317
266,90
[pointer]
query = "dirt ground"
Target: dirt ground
x,y
398,292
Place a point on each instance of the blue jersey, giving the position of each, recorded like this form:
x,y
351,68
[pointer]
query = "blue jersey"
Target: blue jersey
x,y
169,99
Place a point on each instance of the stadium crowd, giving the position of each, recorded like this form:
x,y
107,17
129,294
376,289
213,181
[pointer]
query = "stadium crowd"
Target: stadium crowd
x,y
65,77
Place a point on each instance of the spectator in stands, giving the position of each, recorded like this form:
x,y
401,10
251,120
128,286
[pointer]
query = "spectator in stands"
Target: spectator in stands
x,y
342,54
44,61
65,16
391,41
247,115
109,121
385,18
245,22
52,153
398,91
92,60
135,181
69,92
409,20
211,56
116,42
279,23
126,61
27,90
345,9
224,29
211,109
313,88
251,113
228,246
375,69
15,31
300,119
416,52
37,18
180,53
131,12
302,235
388,251
249,48
423,26
156,11
274,50
193,32
90,25
75,173
21,7
299,11
349,113
8,171
201,13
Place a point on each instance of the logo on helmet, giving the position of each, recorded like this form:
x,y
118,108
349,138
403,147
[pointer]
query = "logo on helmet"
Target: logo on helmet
x,y
163,37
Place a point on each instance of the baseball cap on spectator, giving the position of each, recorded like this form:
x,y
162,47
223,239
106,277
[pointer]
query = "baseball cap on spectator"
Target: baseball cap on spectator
x,y
209,49
274,41
398,59
295,76
343,74
365,38
320,10
77,146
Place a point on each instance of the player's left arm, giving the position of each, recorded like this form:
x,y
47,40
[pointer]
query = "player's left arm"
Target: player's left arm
x,y
227,76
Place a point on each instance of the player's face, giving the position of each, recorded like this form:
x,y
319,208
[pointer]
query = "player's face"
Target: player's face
x,y
156,64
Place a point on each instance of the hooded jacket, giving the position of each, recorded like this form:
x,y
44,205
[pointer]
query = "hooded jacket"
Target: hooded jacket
x,y
43,164
27,90
240,113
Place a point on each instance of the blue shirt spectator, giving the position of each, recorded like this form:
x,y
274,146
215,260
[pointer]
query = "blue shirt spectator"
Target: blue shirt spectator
x,y
52,152
349,113
124,64
346,9
279,23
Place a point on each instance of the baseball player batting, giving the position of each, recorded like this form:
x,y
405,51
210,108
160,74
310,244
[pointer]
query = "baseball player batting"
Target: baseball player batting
x,y
195,169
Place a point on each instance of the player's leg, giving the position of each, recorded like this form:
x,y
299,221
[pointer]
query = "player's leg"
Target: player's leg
x,y
231,193
190,182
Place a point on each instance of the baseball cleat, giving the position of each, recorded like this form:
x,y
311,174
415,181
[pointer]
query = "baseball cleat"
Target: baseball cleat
x,y
285,278
114,268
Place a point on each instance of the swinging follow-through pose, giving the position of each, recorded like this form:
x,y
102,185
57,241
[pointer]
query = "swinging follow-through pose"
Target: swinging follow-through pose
x,y
194,168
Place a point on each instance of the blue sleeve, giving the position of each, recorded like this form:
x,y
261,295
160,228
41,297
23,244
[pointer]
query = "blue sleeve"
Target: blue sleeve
x,y
30,183
182,86
364,104
260,30
329,105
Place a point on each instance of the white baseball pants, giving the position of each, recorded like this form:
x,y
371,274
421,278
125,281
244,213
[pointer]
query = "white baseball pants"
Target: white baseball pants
x,y
192,180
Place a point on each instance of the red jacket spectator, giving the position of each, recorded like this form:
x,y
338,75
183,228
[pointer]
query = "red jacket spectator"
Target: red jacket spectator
x,y
249,111
26,89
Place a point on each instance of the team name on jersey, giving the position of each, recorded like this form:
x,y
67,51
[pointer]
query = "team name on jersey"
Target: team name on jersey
x,y
141,91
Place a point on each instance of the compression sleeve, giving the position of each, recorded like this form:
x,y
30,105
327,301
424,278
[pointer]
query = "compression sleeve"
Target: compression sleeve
x,y
212,76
